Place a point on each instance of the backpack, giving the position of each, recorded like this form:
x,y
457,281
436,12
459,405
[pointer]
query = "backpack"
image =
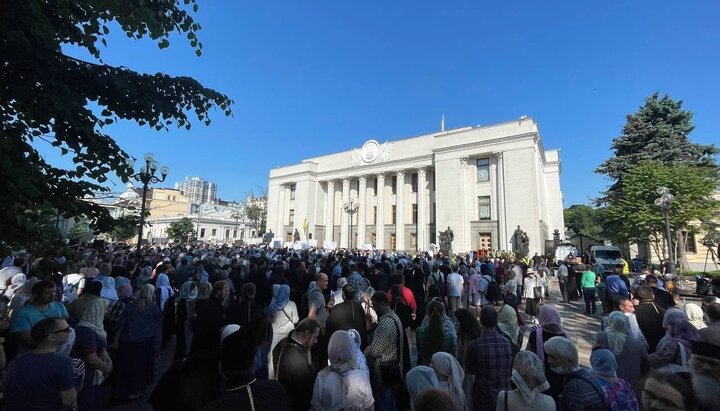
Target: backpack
x,y
494,292
439,282
304,309
401,309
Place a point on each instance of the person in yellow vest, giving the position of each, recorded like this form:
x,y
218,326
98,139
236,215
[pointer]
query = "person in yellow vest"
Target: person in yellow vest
x,y
626,267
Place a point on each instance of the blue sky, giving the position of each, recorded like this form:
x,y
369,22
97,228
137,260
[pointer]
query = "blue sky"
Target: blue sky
x,y
316,77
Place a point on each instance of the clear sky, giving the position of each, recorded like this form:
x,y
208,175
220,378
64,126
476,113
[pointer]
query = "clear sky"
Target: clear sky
x,y
316,77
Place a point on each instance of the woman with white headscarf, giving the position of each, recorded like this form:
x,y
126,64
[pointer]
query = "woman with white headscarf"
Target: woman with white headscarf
x,y
341,385
16,282
695,315
528,375
450,376
418,380
109,292
630,353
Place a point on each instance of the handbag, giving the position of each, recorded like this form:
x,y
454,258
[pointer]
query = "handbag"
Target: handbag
x,y
391,371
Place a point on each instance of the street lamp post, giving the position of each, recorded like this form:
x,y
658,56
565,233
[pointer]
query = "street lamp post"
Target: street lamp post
x,y
351,208
147,176
237,216
664,202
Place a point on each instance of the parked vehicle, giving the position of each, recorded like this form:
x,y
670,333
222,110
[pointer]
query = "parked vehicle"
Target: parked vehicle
x,y
609,256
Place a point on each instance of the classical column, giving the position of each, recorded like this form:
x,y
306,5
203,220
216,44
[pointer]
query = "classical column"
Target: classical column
x,y
344,229
280,229
330,211
362,210
494,201
464,244
422,209
501,206
400,211
380,218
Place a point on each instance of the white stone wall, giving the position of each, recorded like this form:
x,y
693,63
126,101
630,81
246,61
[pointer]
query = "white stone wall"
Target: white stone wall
x,y
524,188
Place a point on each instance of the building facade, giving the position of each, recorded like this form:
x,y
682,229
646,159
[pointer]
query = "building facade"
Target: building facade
x,y
212,224
481,182
198,190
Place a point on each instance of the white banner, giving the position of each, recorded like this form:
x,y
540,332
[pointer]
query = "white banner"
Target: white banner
x,y
329,245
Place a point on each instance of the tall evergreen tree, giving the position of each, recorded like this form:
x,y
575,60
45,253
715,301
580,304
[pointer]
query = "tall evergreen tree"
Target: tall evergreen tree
x,y
658,131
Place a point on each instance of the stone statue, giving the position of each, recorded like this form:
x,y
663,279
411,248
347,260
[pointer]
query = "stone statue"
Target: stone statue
x,y
520,243
268,237
446,238
296,236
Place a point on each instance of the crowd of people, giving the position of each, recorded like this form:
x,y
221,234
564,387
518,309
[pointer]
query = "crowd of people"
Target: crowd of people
x,y
251,328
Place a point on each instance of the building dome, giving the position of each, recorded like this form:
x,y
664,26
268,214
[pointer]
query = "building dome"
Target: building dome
x,y
129,194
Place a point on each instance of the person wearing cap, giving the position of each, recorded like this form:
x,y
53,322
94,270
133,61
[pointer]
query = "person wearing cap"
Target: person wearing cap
x,y
533,294
242,390
649,317
292,366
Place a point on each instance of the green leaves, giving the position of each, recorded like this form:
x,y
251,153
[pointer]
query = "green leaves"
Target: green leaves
x,y
181,230
46,94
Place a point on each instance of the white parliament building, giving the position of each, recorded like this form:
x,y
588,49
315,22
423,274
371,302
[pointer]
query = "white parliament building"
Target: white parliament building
x,y
482,182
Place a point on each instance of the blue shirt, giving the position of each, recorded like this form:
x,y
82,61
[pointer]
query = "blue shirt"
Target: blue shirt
x,y
28,315
34,381
615,285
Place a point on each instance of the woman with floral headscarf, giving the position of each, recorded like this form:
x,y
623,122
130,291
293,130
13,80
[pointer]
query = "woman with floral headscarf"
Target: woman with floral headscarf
x,y
619,395
341,385
676,346
630,353
549,326
529,378
450,376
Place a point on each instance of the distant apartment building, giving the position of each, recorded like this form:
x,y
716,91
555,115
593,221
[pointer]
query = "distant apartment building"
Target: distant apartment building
x,y
198,190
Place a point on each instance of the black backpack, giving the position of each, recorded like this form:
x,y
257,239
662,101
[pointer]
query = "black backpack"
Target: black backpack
x,y
494,292
439,282
401,309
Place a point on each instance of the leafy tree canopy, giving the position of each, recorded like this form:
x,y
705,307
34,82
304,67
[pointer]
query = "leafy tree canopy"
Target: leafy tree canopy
x,y
125,227
658,131
633,215
46,94
258,216
584,220
181,230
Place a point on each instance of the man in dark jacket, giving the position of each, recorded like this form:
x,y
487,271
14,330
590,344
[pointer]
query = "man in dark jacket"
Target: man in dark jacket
x,y
292,368
347,315
649,317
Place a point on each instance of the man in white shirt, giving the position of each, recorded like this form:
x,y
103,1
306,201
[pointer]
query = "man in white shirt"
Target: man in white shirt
x,y
454,287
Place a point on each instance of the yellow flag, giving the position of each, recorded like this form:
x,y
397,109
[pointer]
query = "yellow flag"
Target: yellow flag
x,y
305,224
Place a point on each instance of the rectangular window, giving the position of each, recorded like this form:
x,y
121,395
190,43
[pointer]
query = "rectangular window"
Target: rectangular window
x,y
374,214
413,240
374,185
690,246
234,233
394,213
484,208
414,180
227,233
291,218
394,184
214,232
292,191
483,169
414,214
202,233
